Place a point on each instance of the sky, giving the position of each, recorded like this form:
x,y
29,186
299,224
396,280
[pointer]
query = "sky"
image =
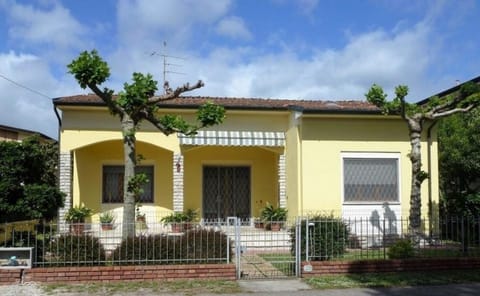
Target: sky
x,y
280,49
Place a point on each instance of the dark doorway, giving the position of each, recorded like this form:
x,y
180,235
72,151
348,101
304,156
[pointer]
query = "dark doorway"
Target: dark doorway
x,y
226,192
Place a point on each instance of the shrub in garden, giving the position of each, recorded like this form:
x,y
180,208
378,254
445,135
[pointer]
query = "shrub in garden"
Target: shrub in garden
x,y
401,249
76,250
206,246
327,237
148,249
194,246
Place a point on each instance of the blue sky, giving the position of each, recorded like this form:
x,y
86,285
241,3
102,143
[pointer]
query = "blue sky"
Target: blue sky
x,y
295,49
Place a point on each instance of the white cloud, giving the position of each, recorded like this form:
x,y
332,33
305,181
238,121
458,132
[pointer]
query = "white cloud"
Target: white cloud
x,y
233,27
20,107
403,55
142,19
387,58
53,26
307,6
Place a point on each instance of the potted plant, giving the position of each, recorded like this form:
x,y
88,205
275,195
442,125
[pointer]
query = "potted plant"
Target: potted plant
x,y
76,216
191,216
106,220
140,217
273,217
179,220
258,223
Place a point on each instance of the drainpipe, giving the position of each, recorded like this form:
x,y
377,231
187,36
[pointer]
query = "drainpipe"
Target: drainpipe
x,y
297,123
58,141
429,160
59,120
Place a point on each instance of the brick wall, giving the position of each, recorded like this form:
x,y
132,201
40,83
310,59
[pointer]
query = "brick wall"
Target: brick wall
x,y
9,276
345,267
120,273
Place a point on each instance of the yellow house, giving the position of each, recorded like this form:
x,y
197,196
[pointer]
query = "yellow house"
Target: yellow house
x,y
10,133
336,157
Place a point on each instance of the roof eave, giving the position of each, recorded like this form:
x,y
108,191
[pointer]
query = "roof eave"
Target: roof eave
x,y
247,108
448,91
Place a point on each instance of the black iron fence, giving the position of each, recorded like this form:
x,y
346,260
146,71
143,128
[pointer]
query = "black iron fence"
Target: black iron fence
x,y
302,239
329,238
85,244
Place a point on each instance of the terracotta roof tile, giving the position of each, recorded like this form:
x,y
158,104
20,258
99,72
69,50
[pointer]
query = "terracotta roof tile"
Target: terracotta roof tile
x,y
307,106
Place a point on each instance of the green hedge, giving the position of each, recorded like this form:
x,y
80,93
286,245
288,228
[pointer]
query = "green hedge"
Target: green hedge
x,y
193,247
76,250
401,249
327,237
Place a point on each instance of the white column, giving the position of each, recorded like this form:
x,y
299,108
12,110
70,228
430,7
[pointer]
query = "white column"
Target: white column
x,y
178,182
65,184
282,181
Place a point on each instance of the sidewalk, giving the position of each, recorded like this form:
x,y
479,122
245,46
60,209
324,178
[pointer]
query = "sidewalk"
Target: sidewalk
x,y
286,287
272,287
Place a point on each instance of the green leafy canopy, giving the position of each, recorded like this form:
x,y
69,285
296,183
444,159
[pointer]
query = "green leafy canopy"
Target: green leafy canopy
x,y
89,69
28,180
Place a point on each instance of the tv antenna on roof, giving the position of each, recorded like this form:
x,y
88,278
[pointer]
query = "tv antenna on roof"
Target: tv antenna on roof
x,y
166,64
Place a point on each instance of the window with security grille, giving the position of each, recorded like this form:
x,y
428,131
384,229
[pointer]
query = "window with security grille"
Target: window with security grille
x,y
113,183
370,179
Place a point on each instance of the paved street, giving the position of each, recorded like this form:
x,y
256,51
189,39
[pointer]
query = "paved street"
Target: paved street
x,y
286,287
277,288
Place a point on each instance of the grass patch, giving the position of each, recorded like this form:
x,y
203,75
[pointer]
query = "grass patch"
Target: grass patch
x,y
187,287
360,254
398,279
428,252
284,262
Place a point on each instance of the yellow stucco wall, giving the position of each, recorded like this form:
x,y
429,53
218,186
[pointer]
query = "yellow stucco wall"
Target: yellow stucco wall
x,y
264,174
93,134
88,162
323,141
314,144
76,139
433,173
293,165
85,126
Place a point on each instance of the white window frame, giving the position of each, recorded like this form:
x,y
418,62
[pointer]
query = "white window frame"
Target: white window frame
x,y
370,155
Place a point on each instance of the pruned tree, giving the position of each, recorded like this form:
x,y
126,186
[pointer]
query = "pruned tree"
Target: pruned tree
x,y
466,98
136,103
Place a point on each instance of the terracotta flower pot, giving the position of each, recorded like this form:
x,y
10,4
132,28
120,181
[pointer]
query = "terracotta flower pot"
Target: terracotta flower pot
x,y
77,228
275,226
177,227
107,226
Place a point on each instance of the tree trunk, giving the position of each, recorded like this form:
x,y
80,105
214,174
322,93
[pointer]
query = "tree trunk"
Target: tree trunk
x,y
128,130
415,130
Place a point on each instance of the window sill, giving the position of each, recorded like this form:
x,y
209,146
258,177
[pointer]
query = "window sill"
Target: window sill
x,y
364,203
121,203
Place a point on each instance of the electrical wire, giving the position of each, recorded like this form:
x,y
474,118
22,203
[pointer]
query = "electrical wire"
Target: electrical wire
x,y
25,87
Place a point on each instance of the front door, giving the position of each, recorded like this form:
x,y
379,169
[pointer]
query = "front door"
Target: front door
x,y
226,192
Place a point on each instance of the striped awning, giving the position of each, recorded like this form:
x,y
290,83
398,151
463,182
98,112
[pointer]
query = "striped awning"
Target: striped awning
x,y
234,138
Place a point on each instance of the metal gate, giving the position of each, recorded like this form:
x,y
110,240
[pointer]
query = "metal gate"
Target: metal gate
x,y
226,192
264,254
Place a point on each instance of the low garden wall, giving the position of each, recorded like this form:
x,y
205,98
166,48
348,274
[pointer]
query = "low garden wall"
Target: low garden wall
x,y
118,273
319,268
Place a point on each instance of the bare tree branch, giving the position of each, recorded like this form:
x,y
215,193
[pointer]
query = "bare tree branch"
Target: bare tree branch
x,y
449,112
177,92
402,108
107,98
447,105
151,118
